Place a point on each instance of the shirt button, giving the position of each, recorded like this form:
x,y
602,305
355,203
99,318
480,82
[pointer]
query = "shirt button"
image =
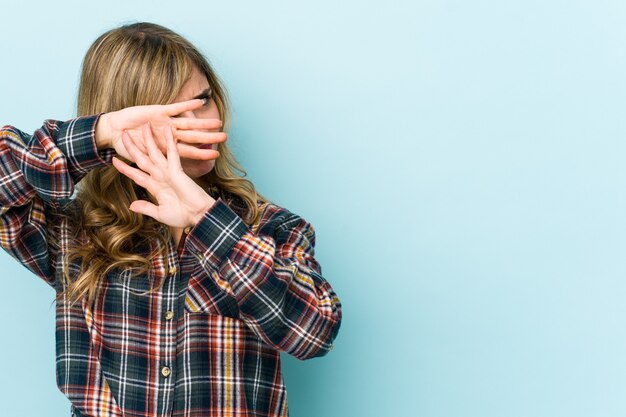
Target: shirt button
x,y
166,371
173,271
169,315
187,230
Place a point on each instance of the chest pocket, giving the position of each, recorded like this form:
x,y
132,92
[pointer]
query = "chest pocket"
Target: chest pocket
x,y
209,294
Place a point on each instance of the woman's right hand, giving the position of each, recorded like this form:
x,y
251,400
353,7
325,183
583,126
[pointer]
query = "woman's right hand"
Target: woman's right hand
x,y
188,132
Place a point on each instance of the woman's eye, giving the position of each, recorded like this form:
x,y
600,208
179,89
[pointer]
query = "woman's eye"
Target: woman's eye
x,y
207,100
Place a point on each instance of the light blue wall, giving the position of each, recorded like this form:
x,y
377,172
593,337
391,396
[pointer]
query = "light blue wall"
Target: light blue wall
x,y
461,161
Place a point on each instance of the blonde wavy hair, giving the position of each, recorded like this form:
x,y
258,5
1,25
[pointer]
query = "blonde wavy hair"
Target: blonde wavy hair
x,y
137,64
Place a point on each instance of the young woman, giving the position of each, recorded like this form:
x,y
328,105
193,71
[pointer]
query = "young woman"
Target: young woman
x,y
178,285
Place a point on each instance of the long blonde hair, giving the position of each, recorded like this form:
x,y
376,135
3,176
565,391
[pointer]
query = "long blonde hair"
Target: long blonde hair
x,y
137,64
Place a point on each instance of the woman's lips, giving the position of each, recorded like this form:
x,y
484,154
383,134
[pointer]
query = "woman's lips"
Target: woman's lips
x,y
206,146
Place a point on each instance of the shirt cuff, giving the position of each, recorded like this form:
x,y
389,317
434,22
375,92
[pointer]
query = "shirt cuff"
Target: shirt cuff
x,y
217,232
77,141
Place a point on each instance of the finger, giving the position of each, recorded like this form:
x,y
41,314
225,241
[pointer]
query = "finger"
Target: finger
x,y
178,108
139,157
138,176
193,152
196,136
173,158
191,123
137,140
146,208
153,151
131,146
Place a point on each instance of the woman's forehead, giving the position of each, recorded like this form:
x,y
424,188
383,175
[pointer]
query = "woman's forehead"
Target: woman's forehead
x,y
195,86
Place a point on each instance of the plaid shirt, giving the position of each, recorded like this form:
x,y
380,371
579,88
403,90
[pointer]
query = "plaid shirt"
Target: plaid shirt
x,y
207,342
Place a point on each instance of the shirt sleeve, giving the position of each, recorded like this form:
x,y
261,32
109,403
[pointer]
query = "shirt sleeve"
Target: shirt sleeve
x,y
273,276
38,172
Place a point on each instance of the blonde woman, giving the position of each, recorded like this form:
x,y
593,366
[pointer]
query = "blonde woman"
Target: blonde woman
x,y
177,284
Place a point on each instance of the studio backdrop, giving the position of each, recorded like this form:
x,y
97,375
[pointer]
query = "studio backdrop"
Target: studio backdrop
x,y
462,162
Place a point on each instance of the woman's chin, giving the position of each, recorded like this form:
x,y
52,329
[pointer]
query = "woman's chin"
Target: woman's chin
x,y
198,168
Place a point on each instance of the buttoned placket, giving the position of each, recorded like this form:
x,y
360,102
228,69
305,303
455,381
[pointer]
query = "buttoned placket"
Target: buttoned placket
x,y
169,320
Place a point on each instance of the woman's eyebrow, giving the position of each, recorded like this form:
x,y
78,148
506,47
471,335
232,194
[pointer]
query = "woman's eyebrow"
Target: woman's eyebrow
x,y
204,93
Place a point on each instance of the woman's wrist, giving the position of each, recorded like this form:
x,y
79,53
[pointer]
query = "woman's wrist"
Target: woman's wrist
x,y
199,214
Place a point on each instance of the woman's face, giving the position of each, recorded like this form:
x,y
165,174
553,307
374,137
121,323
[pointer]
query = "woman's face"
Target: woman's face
x,y
197,86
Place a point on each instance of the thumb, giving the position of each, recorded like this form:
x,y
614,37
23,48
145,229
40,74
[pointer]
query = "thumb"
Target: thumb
x,y
144,207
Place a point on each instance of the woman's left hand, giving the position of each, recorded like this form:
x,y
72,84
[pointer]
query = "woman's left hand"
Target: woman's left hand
x,y
181,202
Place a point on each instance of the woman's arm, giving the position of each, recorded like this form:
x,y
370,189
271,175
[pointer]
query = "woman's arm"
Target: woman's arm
x,y
273,276
41,170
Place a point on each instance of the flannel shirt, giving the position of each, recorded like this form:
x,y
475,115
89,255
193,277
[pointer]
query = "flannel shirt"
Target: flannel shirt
x,y
208,343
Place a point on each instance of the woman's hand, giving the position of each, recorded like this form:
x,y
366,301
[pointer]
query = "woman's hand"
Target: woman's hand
x,y
187,131
181,202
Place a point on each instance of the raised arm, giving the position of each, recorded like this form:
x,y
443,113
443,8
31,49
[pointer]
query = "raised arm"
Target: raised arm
x,y
40,171
273,276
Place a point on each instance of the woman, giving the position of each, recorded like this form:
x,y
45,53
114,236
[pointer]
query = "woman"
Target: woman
x,y
177,283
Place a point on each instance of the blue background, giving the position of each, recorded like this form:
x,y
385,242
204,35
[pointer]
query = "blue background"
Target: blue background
x,y
461,161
